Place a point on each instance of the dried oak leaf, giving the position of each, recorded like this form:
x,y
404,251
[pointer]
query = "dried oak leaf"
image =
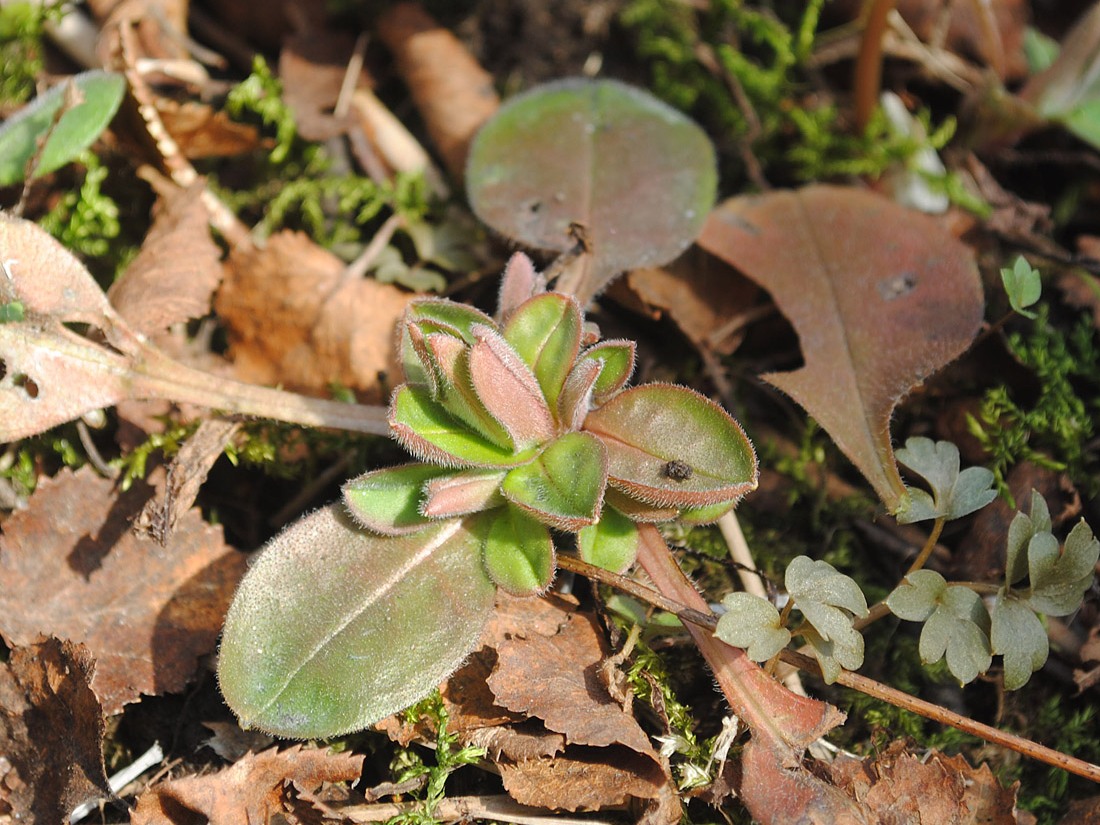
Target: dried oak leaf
x,y
249,791
174,276
73,569
51,730
903,789
312,65
294,320
201,131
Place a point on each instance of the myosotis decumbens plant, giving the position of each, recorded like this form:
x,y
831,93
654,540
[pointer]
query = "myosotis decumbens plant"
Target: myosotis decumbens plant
x,y
526,433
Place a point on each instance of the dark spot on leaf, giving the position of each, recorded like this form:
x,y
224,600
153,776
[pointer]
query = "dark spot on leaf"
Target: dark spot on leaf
x,y
27,383
3,369
677,470
900,285
534,207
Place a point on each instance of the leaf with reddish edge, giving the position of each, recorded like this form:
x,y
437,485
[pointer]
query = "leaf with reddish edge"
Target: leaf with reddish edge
x,y
388,501
519,283
546,333
635,172
509,390
617,359
564,486
428,315
652,430
326,603
450,359
463,493
637,510
880,296
575,400
430,433
517,551
610,543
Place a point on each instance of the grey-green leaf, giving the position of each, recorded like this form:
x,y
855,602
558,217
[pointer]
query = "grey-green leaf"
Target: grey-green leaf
x,y
334,628
954,494
1023,286
1059,579
637,175
753,623
75,131
1018,635
917,596
959,629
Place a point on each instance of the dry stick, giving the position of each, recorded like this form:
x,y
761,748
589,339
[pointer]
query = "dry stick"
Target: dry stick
x,y
868,73
466,808
851,680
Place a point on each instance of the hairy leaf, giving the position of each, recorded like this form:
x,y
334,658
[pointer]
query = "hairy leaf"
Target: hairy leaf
x,y
563,487
429,432
636,174
519,283
546,333
462,493
753,623
669,446
101,94
880,297
509,390
954,494
1018,635
333,628
575,400
517,551
425,316
449,362
617,359
389,501
610,543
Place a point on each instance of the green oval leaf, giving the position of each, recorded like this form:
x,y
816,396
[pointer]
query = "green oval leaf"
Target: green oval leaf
x,y
389,501
333,628
610,543
564,486
77,129
616,359
635,173
671,447
545,332
517,551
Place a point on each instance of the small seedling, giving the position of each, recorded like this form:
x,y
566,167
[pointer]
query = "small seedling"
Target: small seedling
x,y
525,430
1023,285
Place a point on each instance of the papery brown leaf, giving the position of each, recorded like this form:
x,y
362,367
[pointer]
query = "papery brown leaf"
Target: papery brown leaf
x,y
556,679
250,791
51,731
174,276
201,131
312,65
699,293
73,569
452,92
293,320
899,787
880,297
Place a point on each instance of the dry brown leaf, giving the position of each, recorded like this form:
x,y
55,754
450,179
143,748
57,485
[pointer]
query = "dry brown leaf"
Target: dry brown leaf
x,y
174,276
452,92
312,65
249,791
1082,812
879,295
295,321
899,788
73,569
51,731
556,679
700,294
201,131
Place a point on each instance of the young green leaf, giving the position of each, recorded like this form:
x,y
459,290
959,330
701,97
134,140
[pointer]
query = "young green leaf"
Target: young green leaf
x,y
1021,530
334,628
517,551
508,389
1018,635
449,361
546,333
575,400
429,432
954,494
78,128
635,173
1059,580
828,599
563,487
669,446
389,501
956,622
1023,286
610,543
753,623
519,283
617,359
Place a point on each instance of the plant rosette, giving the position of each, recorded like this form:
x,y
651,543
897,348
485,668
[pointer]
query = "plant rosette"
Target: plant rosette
x,y
524,425
525,432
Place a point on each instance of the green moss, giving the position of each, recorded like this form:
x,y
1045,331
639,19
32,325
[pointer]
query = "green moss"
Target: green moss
x,y
86,220
21,32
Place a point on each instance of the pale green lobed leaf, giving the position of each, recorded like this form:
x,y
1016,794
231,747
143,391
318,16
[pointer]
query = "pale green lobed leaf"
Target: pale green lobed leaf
x,y
954,494
752,622
917,596
1060,579
959,629
1023,286
1017,634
